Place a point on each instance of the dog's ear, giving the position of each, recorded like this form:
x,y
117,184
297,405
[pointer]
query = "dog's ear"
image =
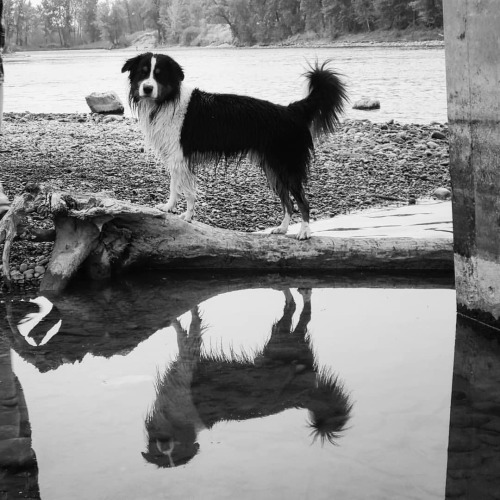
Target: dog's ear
x,y
176,70
132,63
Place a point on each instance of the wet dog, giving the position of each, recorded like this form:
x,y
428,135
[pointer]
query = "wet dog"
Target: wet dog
x,y
187,127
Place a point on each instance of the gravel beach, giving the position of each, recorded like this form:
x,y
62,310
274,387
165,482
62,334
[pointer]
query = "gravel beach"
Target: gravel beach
x,y
362,165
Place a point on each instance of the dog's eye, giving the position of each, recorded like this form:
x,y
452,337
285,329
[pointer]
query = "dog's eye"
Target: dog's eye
x,y
157,71
145,69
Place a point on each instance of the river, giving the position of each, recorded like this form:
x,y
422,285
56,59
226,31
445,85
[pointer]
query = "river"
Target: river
x,y
214,388
410,83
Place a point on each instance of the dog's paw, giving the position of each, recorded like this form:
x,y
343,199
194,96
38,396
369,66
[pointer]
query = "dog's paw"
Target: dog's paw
x,y
279,230
165,207
186,216
304,233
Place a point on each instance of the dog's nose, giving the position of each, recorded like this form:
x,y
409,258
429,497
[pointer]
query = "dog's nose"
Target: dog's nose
x,y
148,89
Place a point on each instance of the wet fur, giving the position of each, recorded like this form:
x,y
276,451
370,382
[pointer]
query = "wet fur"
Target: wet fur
x,y
187,127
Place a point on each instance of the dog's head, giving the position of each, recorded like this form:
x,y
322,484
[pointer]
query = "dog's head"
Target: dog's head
x,y
154,77
172,445
171,431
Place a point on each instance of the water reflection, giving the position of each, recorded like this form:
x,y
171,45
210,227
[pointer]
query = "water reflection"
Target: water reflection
x,y
474,440
28,326
18,465
105,320
202,388
87,362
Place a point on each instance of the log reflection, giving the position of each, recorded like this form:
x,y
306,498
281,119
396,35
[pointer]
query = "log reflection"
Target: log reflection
x,y
114,317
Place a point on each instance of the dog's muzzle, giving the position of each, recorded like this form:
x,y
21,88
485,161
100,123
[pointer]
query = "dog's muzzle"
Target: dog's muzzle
x,y
148,89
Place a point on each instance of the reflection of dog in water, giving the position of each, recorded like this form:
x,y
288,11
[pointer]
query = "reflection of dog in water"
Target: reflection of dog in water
x,y
200,389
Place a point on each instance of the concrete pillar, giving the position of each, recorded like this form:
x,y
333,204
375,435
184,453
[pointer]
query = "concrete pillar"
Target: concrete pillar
x,y
472,41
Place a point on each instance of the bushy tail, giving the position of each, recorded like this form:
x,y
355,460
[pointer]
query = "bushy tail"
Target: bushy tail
x,y
326,100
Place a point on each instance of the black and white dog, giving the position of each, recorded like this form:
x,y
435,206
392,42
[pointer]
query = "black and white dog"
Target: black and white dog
x,y
187,127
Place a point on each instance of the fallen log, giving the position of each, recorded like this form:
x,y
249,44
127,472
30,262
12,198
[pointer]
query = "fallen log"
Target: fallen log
x,y
106,236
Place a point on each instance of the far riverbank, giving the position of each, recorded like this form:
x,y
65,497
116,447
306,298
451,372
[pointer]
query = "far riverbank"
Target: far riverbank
x,y
217,38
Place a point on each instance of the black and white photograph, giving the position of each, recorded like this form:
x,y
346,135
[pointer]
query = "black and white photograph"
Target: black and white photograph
x,y
250,249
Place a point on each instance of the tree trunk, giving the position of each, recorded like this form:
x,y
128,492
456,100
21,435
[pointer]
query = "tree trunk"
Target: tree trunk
x,y
107,236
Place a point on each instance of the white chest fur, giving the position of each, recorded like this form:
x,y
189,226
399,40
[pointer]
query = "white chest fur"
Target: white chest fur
x,y
163,133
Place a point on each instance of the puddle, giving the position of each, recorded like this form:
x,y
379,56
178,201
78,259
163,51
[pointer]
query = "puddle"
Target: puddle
x,y
267,388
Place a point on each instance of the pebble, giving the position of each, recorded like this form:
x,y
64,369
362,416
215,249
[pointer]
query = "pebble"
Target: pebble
x,y
112,118
438,135
16,275
367,104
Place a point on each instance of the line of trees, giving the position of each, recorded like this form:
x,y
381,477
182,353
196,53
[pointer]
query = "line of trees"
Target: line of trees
x,y
74,22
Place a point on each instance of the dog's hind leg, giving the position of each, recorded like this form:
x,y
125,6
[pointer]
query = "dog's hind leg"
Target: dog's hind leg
x,y
283,227
300,197
287,204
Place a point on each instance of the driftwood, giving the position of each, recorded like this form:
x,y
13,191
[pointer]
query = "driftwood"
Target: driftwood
x,y
106,236
11,221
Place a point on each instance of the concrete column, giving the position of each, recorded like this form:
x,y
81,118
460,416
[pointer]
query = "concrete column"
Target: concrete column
x,y
472,41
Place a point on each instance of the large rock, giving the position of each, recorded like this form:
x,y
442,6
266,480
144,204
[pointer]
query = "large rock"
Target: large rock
x,y
441,193
367,104
105,103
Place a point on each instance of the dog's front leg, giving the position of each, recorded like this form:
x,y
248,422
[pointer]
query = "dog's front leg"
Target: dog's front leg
x,y
174,194
189,213
188,187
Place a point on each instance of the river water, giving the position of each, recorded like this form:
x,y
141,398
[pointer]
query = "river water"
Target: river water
x,y
321,388
410,83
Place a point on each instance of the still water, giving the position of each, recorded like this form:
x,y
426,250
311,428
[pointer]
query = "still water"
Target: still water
x,y
264,387
410,83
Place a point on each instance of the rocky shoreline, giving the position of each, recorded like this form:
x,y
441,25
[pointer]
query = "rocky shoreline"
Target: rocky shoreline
x,y
362,165
217,37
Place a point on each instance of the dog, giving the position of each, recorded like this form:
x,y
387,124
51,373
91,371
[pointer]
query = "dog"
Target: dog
x,y
201,388
187,127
